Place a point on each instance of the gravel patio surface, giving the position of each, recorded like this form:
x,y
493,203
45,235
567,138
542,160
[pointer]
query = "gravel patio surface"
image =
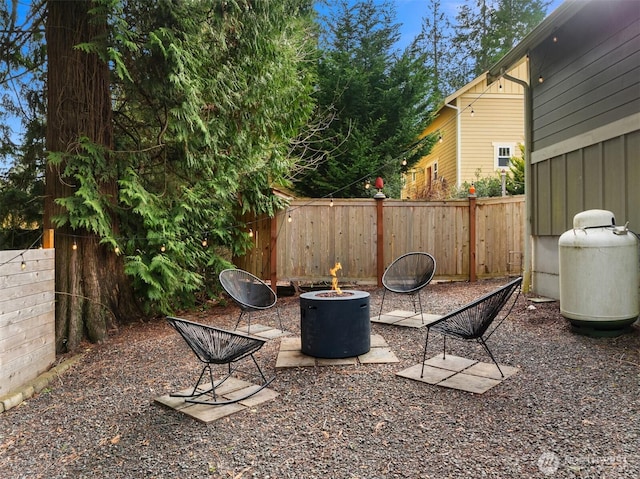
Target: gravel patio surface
x,y
572,410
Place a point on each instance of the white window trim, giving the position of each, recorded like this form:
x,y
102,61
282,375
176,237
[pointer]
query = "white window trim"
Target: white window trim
x,y
496,151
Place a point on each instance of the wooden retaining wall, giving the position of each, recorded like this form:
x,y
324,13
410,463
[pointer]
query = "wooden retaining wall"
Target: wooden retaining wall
x,y
470,238
27,316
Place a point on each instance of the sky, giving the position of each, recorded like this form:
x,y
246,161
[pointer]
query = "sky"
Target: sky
x,y
411,12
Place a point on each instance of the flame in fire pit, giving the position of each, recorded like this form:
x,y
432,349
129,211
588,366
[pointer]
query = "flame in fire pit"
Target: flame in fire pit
x,y
334,278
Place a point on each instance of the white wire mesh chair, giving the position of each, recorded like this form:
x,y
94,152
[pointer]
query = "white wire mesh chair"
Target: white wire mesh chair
x,y
250,293
409,274
474,320
215,346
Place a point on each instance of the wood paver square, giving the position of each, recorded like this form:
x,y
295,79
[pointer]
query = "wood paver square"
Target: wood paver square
x,y
254,329
271,333
207,414
230,389
291,344
291,356
408,319
337,361
378,356
263,396
294,359
452,363
262,331
431,374
385,319
412,322
469,383
429,318
378,341
172,402
459,373
259,397
489,370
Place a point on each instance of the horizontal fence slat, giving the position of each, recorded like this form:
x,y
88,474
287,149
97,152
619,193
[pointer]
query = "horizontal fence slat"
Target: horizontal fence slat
x,y
27,316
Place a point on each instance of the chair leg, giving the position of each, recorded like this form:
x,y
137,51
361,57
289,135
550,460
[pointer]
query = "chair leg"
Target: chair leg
x,y
248,321
197,393
420,303
239,318
384,291
279,319
444,347
486,348
424,354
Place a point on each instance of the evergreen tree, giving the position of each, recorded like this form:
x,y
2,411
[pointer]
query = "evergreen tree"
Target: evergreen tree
x,y
434,41
487,29
22,107
165,121
378,95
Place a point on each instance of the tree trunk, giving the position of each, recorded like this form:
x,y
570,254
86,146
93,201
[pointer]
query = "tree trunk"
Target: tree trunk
x,y
93,293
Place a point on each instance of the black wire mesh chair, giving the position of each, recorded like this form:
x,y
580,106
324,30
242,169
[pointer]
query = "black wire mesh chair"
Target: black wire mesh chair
x,y
408,274
472,321
214,346
249,292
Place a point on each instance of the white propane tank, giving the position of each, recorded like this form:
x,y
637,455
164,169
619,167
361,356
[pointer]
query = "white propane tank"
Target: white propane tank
x,y
599,276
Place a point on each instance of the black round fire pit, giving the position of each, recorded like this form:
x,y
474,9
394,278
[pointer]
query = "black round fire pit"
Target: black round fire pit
x,y
335,325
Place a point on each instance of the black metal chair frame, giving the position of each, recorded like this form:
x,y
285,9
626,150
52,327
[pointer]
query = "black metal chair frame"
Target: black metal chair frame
x,y
213,346
408,284
250,293
474,320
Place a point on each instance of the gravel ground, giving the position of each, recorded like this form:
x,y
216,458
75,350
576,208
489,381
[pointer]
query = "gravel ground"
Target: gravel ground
x,y
573,409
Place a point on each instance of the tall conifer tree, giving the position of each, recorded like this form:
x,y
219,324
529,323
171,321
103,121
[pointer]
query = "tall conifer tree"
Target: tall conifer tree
x,y
378,95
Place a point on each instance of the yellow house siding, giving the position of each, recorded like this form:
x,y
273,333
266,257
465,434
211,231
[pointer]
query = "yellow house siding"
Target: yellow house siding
x,y
497,119
469,142
443,153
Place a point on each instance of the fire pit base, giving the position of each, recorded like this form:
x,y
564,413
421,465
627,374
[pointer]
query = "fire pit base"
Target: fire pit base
x,y
335,326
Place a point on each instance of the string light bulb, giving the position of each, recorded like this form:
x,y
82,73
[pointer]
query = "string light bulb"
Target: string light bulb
x,y
23,265
540,79
116,250
74,246
163,248
367,185
205,242
331,202
289,219
440,139
404,162
472,112
250,233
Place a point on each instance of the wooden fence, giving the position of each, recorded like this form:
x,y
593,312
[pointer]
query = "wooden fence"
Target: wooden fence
x,y
469,238
27,316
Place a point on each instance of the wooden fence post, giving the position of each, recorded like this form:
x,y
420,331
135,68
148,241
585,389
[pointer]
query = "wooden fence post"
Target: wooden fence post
x,y
379,237
273,252
472,234
47,238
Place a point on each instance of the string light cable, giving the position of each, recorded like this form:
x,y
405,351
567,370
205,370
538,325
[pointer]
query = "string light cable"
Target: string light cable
x,y
21,254
252,226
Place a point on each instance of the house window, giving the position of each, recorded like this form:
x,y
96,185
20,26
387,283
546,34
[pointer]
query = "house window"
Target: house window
x,y
503,154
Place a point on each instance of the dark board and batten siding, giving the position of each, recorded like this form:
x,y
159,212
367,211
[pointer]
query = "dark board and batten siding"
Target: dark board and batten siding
x,y
586,119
